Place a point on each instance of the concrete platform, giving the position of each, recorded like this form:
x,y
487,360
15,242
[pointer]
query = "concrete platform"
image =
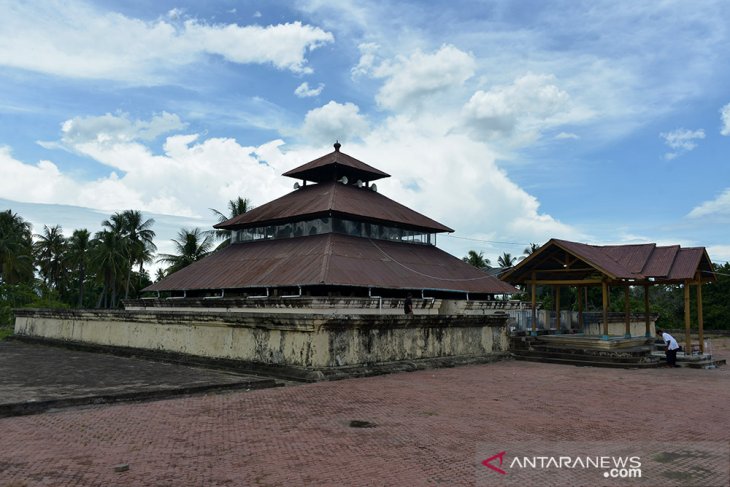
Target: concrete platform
x,y
36,378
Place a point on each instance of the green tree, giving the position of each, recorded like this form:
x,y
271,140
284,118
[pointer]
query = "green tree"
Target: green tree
x,y
236,207
190,246
529,251
476,259
506,260
110,260
140,246
77,256
50,249
16,249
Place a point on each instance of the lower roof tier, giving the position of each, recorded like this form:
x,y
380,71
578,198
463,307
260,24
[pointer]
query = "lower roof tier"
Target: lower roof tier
x,y
332,260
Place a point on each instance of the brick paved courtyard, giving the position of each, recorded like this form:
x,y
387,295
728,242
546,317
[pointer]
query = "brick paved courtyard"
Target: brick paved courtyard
x,y
429,425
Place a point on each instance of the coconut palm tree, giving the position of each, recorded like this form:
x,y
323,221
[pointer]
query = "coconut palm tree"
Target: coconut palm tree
x,y
529,250
50,249
506,260
236,207
190,246
110,259
139,235
78,255
476,259
16,249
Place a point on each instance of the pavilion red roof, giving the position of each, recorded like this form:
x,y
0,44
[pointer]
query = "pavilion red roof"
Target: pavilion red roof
x,y
618,262
334,165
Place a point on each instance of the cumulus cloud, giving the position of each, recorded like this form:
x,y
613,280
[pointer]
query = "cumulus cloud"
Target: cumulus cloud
x,y
725,116
365,65
53,38
187,178
334,121
410,79
529,105
681,141
304,91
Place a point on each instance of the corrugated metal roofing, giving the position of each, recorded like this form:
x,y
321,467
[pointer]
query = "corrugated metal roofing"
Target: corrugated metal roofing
x,y
334,198
639,262
332,259
336,163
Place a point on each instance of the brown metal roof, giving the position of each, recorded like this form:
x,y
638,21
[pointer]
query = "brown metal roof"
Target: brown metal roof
x,y
335,165
336,260
334,198
617,262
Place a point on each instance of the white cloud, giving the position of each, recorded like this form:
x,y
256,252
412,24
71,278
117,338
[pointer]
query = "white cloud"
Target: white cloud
x,y
304,91
719,206
187,178
409,79
725,116
76,40
681,141
522,109
567,135
334,121
365,65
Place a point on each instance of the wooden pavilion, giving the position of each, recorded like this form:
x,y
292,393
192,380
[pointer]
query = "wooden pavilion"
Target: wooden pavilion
x,y
563,263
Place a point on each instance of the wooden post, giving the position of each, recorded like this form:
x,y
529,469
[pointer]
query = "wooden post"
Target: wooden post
x,y
646,311
700,324
687,332
627,313
579,298
604,288
557,309
534,304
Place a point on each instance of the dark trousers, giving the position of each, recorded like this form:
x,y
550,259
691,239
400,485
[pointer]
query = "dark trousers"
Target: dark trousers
x,y
672,357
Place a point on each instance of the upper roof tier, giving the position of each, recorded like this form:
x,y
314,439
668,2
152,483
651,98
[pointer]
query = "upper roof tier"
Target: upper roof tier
x,y
334,199
335,165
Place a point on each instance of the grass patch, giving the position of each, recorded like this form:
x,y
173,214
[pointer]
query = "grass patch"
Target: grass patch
x,y
5,331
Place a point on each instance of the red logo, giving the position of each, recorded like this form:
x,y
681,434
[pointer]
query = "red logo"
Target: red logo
x,y
487,463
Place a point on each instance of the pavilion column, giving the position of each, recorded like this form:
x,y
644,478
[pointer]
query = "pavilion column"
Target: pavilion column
x,y
534,306
647,318
604,288
579,298
557,309
627,312
700,324
687,331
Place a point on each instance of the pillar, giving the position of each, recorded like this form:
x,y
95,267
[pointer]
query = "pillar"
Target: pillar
x,y
534,304
627,313
687,332
557,309
700,324
579,298
647,317
604,288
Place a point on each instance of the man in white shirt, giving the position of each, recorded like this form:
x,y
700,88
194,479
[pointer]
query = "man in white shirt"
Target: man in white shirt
x,y
671,347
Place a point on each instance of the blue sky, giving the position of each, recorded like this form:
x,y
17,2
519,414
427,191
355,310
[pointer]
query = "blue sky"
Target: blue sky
x,y
509,121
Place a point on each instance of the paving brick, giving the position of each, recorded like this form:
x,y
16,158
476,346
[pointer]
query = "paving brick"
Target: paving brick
x,y
428,427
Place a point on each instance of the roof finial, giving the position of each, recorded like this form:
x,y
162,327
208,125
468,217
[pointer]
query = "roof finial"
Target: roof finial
x,y
337,146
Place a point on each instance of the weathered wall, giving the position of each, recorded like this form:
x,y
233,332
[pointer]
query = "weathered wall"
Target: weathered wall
x,y
304,340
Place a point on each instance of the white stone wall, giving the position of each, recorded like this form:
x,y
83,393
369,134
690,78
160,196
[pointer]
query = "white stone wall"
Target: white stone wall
x,y
305,340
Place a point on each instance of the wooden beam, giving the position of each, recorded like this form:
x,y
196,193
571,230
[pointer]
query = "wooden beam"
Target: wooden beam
x,y
627,313
557,308
647,318
534,302
604,289
565,269
700,324
567,282
579,298
687,332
